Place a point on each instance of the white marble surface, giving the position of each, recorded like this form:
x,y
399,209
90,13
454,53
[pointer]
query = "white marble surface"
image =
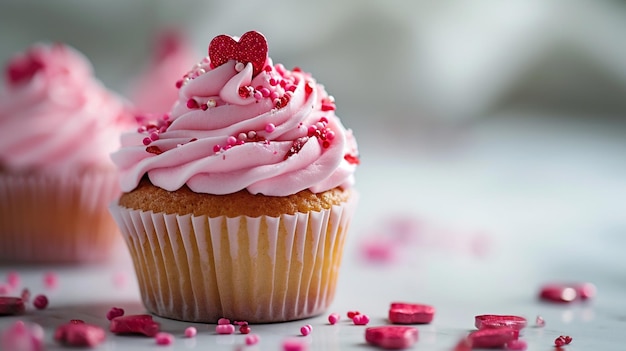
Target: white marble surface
x,y
545,194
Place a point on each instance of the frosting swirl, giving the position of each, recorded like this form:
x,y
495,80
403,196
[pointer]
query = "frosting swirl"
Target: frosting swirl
x,y
54,114
273,133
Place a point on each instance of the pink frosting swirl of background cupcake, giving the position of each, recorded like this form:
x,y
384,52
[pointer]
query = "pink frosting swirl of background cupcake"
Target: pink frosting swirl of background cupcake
x,y
55,115
273,133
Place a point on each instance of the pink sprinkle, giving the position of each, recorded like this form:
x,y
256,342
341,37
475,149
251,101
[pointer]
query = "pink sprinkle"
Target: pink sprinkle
x,y
191,104
330,135
216,148
223,321
270,127
258,95
252,339
164,339
225,329
518,345
51,280
540,322
333,318
25,295
147,141
231,140
40,302
294,345
273,95
13,278
360,319
115,312
190,332
264,92
306,329
21,336
154,136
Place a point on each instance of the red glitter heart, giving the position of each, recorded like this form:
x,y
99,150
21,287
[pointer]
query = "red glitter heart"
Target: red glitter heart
x,y
251,47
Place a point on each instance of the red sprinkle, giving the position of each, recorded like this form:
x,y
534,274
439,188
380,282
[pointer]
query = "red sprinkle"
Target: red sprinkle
x,y
391,337
115,312
154,150
79,334
562,340
558,293
191,104
244,329
333,318
360,319
410,313
493,338
40,302
352,159
135,324
351,314
494,321
10,306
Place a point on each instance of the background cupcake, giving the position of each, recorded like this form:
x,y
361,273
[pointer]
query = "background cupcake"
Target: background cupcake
x,y
58,125
237,204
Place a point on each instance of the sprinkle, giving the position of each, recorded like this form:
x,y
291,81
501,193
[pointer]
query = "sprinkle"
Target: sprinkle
x,y
135,324
179,83
294,345
493,338
360,319
22,336
164,339
517,345
264,92
115,312
211,103
154,136
562,340
225,329
40,302
540,322
204,107
257,95
558,293
251,134
252,339
352,159
191,104
13,278
154,150
147,141
333,318
244,329
223,321
25,295
306,329
351,314
190,332
270,127
273,82
216,148
51,280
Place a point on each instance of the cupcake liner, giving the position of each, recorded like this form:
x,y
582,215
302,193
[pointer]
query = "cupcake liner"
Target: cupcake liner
x,y
57,218
258,269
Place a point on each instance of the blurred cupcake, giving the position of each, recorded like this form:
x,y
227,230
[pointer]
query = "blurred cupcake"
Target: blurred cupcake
x,y
153,91
238,202
58,126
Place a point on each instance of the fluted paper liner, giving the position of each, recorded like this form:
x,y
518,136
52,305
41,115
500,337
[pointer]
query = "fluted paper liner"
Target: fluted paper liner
x,y
263,269
57,219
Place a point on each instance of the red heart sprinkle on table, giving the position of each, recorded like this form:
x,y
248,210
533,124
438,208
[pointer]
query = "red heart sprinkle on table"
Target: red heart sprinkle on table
x,y
494,321
410,313
391,337
135,324
251,48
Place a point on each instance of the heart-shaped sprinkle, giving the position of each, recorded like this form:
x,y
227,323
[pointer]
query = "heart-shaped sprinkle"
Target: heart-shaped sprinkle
x,y
251,48
410,313
494,321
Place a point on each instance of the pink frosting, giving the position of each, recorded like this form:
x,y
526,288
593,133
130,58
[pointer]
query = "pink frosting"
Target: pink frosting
x,y
275,133
55,115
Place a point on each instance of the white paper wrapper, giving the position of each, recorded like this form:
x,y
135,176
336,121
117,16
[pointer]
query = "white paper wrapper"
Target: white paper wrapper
x,y
57,219
261,270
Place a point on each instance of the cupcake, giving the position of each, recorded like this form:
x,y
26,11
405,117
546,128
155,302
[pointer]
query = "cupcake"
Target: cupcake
x,y
237,203
58,126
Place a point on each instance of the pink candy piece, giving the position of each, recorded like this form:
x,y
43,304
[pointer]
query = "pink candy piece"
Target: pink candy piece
x,y
306,330
190,332
270,127
294,345
333,318
493,338
225,329
558,293
10,306
391,337
252,339
135,324
517,345
493,321
585,290
540,322
222,321
115,312
164,339
22,336
51,280
13,279
410,313
360,319
79,334
40,302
